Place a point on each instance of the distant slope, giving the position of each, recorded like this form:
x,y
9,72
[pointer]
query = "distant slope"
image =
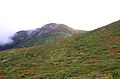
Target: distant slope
x,y
46,34
94,55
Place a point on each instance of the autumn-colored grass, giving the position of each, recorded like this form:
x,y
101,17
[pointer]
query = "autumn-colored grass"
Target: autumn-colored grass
x,y
93,55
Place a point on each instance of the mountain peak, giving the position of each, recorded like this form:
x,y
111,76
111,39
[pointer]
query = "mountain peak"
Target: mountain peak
x,y
50,25
45,34
51,28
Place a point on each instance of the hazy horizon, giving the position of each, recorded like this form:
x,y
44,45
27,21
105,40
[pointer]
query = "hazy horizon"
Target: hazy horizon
x,y
16,15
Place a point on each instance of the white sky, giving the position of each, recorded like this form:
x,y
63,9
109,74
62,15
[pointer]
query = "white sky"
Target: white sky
x,y
79,14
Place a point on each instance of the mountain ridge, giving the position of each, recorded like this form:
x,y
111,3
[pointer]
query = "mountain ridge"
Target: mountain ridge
x,y
47,33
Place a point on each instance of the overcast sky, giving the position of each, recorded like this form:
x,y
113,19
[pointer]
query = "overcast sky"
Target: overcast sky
x,y
18,15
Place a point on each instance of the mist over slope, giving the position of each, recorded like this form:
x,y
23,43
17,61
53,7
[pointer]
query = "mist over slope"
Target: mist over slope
x,y
5,34
46,34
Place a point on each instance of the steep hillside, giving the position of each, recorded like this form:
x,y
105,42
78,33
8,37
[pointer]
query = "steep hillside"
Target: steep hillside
x,y
46,34
93,55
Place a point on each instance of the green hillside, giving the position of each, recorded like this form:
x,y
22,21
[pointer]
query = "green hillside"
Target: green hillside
x,y
93,55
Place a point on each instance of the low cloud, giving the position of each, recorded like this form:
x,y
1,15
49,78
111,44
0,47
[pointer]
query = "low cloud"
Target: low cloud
x,y
5,34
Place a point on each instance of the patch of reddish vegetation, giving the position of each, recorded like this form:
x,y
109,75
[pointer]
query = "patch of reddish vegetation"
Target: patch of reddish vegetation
x,y
75,75
68,65
34,66
113,39
118,54
2,77
93,61
98,58
111,50
117,39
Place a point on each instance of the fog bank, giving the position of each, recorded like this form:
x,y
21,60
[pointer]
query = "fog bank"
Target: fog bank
x,y
5,34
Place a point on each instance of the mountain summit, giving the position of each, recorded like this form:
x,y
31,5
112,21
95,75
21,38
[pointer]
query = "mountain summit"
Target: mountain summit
x,y
46,34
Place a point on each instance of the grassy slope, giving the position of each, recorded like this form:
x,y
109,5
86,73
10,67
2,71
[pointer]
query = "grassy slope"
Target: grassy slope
x,y
95,54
